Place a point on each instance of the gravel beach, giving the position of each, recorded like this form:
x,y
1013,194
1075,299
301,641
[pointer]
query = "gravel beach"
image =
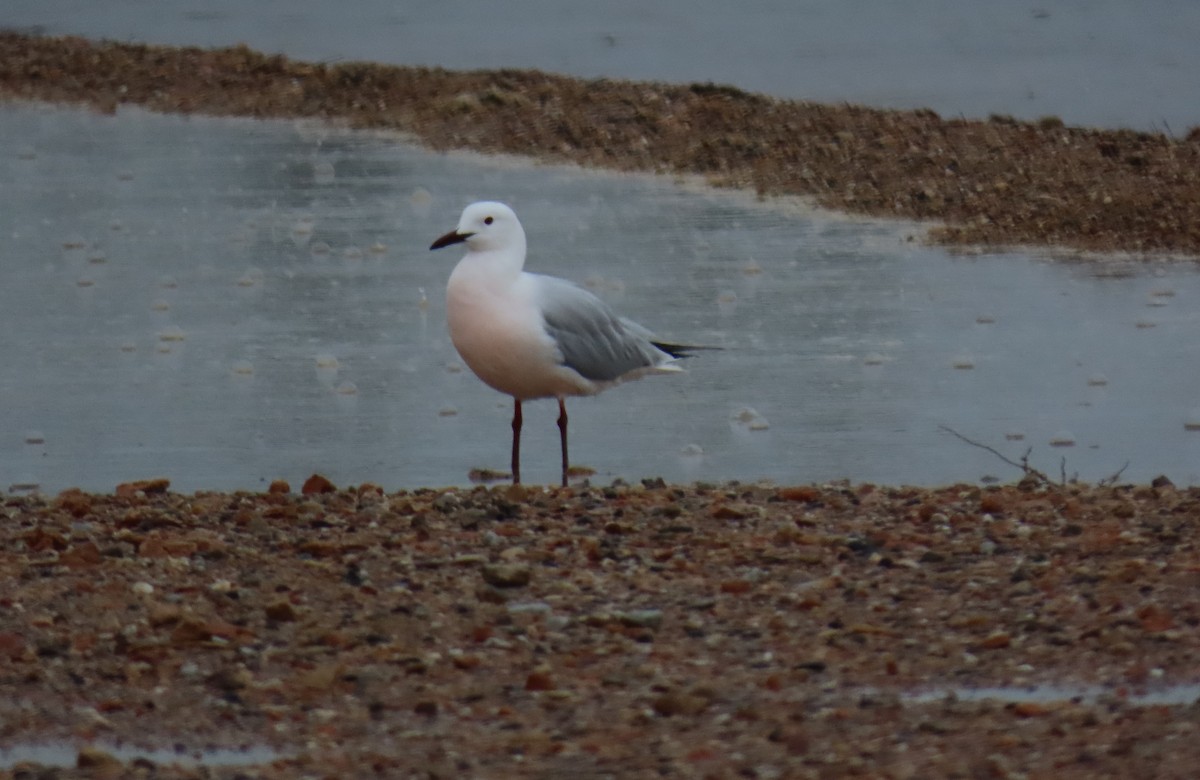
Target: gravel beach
x,y
646,630
628,631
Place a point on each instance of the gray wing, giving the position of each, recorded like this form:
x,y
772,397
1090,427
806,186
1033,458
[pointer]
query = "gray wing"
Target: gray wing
x,y
595,342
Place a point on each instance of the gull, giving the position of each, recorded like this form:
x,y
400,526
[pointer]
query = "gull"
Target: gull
x,y
534,336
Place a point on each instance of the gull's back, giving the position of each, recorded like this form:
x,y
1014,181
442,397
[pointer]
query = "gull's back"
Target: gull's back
x,y
593,341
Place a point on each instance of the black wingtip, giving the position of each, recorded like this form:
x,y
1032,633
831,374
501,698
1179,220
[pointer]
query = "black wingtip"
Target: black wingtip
x,y
682,350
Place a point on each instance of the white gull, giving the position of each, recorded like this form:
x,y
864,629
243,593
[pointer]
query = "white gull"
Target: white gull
x,y
534,336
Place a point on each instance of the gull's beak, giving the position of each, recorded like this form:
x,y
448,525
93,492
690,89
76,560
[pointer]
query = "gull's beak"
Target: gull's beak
x,y
453,237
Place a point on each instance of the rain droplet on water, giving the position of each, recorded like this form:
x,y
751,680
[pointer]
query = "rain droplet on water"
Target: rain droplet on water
x,y
447,411
171,333
750,418
160,305
251,277
378,248
1192,421
964,362
302,231
35,437
352,254
319,248
326,360
347,388
873,359
985,319
691,450
1097,380
324,172
242,367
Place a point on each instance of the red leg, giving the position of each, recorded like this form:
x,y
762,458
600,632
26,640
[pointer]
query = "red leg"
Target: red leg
x,y
562,432
516,451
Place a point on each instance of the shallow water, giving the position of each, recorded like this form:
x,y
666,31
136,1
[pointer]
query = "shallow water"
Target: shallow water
x,y
1101,63
1164,696
64,754
226,302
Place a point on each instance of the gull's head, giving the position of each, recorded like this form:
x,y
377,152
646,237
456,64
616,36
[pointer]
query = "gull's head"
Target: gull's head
x,y
486,226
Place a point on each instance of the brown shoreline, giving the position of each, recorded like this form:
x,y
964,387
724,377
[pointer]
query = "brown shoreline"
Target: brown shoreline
x,y
995,183
646,631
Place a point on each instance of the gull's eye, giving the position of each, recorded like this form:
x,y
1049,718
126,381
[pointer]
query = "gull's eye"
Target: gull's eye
x,y
488,220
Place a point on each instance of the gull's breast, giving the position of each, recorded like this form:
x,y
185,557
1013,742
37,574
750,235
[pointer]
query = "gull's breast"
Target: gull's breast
x,y
500,335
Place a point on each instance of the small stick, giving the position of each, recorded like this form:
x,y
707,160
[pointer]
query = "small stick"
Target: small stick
x,y
1112,479
1023,464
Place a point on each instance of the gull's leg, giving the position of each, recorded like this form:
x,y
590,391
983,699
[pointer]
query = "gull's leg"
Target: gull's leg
x,y
562,432
516,451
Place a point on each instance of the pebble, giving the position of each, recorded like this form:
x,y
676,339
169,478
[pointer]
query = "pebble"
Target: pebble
x,y
643,618
507,575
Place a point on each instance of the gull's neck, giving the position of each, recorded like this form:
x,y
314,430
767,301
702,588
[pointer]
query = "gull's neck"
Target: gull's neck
x,y
497,266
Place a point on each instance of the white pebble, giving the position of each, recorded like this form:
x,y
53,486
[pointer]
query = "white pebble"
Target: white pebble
x,y
1062,439
964,362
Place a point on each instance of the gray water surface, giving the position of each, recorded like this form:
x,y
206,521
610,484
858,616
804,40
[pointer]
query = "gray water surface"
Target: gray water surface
x,y
65,755
1176,695
225,302
1100,62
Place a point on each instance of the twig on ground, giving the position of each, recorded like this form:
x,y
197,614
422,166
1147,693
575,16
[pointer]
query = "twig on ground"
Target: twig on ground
x,y
1023,464
1111,479
1030,471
